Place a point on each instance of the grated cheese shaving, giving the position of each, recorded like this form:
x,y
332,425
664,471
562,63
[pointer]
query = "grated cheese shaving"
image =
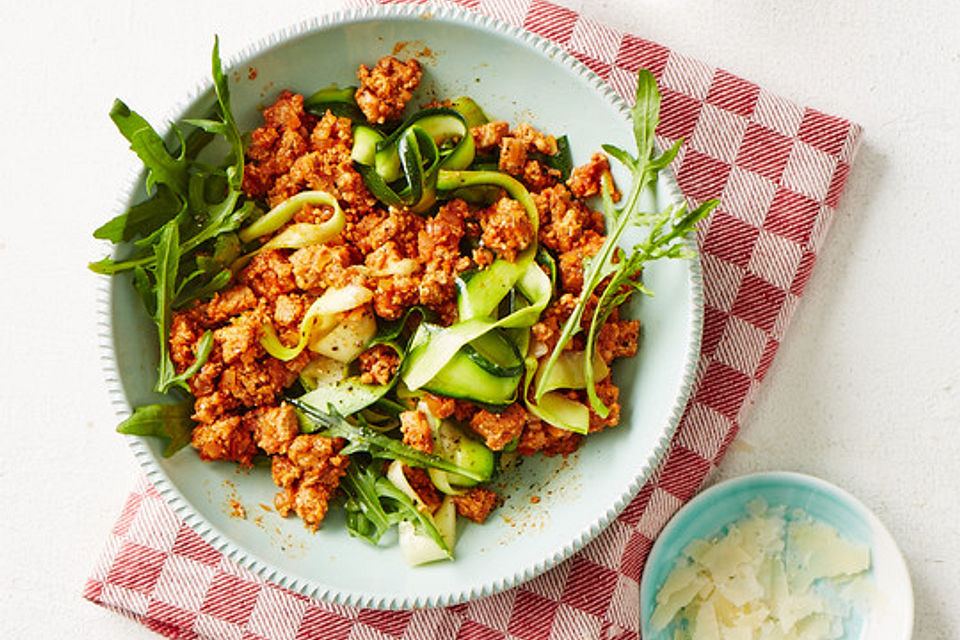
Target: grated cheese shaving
x,y
767,578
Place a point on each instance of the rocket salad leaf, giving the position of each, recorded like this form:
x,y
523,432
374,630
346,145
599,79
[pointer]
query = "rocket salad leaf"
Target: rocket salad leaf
x,y
362,438
172,174
622,274
366,517
171,421
373,505
141,219
226,126
162,167
178,225
165,274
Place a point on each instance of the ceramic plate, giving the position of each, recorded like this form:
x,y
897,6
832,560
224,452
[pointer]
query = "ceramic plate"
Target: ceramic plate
x,y
885,614
516,77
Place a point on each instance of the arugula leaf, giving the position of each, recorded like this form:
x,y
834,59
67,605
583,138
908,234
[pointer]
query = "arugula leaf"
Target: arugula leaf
x,y
167,255
213,272
167,252
196,289
622,273
178,174
142,218
374,505
666,240
619,154
645,114
366,517
108,266
144,288
197,141
223,217
162,167
226,126
171,421
378,445
180,218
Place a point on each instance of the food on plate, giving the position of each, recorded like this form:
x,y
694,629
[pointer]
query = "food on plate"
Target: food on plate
x,y
380,301
771,574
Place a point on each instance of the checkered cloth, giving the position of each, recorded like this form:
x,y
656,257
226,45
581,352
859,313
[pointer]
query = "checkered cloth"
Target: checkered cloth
x,y
778,169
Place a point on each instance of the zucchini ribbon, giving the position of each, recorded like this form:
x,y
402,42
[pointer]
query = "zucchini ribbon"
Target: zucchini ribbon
x,y
401,170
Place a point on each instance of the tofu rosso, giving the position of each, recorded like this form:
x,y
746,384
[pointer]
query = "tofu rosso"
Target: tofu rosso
x,y
404,259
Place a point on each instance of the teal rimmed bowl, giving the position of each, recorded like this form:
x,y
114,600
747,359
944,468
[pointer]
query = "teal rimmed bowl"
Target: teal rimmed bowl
x,y
517,77
888,612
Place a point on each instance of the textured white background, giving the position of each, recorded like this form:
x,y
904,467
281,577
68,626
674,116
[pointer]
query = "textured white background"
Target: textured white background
x,y
865,391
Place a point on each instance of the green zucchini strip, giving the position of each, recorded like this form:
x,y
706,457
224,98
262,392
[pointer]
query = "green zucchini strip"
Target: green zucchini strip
x,y
553,407
284,212
341,102
471,111
304,234
419,160
325,310
450,180
349,395
480,295
442,125
415,152
484,291
428,358
271,341
365,140
333,93
496,354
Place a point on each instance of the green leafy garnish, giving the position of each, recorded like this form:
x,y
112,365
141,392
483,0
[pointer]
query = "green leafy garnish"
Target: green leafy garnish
x,y
619,274
226,126
362,438
373,505
141,219
162,166
170,421
185,231
366,517
182,184
165,275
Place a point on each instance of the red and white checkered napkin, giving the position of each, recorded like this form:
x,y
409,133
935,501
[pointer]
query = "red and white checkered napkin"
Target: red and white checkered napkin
x,y
778,169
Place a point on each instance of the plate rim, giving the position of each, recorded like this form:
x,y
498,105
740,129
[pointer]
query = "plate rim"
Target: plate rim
x,y
876,525
247,558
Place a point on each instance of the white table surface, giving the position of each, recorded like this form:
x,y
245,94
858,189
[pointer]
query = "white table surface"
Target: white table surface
x,y
865,391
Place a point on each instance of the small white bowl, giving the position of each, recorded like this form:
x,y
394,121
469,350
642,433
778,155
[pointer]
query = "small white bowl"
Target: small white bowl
x,y
890,614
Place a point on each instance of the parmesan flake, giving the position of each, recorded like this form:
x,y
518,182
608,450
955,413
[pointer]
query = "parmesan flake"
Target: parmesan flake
x,y
765,578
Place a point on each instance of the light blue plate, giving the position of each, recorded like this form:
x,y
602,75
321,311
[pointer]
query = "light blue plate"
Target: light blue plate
x,y
516,77
889,615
